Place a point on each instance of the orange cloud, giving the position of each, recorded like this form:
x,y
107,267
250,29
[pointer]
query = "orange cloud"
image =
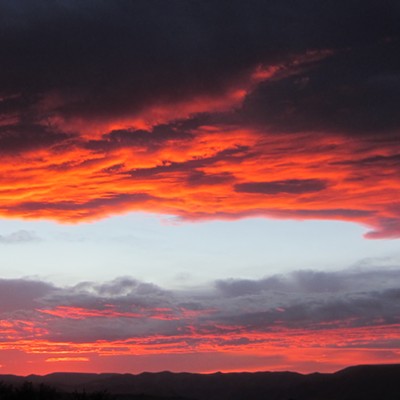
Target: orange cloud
x,y
247,342
306,320
219,172
157,313
67,359
81,313
204,157
301,350
268,127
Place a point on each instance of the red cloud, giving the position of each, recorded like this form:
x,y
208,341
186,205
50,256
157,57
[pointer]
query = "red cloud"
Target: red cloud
x,y
216,172
290,318
206,157
189,126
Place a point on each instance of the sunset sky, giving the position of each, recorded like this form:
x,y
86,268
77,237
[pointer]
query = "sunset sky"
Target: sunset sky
x,y
199,185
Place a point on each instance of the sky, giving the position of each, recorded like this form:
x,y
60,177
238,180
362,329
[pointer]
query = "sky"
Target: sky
x,y
199,186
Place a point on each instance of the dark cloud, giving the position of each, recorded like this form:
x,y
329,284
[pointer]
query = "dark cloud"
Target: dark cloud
x,y
153,139
354,91
377,160
236,154
116,58
291,186
21,137
199,178
105,202
330,213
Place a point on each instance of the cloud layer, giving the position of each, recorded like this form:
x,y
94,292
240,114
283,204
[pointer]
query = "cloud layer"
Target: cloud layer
x,y
201,110
303,311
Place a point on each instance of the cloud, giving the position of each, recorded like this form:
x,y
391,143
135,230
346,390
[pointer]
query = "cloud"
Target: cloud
x,y
25,137
292,186
21,236
84,210
139,138
67,359
21,294
231,313
225,110
349,93
191,53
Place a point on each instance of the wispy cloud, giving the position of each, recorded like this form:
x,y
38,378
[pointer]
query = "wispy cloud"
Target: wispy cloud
x,y
67,359
21,236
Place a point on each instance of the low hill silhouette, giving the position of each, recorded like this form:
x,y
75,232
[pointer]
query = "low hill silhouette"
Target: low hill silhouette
x,y
368,382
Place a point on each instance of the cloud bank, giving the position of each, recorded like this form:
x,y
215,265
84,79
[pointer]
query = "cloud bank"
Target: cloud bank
x,y
201,110
306,308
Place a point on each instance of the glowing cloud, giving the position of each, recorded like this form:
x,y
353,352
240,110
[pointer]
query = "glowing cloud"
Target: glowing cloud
x,y
201,110
296,316
67,359
197,128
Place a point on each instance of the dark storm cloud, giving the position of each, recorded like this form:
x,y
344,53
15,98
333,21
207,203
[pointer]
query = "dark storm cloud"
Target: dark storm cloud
x,y
292,186
113,58
355,91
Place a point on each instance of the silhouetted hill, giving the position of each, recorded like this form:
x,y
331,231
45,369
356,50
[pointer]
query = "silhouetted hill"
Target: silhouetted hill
x,y
371,382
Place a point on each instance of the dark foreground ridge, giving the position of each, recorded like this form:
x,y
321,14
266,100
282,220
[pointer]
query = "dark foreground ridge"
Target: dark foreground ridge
x,y
366,382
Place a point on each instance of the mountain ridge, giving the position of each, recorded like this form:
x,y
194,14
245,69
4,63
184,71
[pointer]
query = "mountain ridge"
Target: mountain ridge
x,y
361,382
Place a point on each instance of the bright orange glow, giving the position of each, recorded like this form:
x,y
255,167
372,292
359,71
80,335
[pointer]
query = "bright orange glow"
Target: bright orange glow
x,y
211,170
213,175
80,313
297,349
64,359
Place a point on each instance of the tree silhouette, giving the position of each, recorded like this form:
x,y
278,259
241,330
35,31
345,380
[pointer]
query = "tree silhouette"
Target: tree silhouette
x,y
100,395
28,391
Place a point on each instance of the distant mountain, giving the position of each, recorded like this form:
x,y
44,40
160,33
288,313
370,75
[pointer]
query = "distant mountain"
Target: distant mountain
x,y
369,382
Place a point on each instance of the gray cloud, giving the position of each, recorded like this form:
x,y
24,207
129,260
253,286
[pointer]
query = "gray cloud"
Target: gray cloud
x,y
22,294
129,309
